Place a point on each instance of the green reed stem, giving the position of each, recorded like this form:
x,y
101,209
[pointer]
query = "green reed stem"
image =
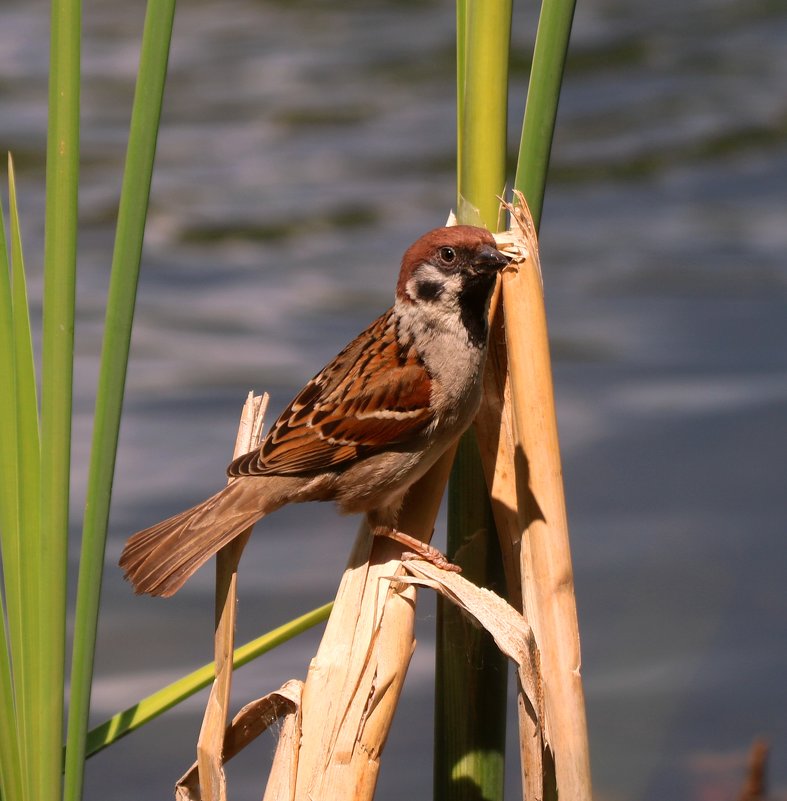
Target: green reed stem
x,y
470,716
22,578
470,703
481,137
12,738
126,258
159,702
543,94
10,755
60,250
461,71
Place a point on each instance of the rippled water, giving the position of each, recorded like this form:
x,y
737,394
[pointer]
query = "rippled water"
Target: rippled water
x,y
663,243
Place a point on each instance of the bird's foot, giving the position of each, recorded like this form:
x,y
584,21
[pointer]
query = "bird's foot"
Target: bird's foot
x,y
418,549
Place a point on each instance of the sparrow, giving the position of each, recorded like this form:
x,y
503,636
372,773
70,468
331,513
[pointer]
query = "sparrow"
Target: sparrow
x,y
366,427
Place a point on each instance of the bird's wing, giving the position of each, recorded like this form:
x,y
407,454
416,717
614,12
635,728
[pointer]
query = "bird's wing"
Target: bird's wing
x,y
375,394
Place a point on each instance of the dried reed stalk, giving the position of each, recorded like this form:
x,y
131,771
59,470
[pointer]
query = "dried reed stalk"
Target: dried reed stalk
x,y
518,430
355,679
354,682
246,726
496,436
210,745
507,627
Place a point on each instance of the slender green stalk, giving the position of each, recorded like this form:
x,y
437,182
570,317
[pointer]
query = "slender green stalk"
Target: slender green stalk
x,y
10,756
60,244
8,430
461,71
22,581
11,784
482,136
159,702
470,712
470,719
543,94
114,360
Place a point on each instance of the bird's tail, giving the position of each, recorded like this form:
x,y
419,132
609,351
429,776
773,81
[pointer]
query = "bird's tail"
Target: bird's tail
x,y
160,559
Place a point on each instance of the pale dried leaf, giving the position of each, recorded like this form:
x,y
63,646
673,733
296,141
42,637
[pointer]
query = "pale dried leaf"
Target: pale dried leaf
x,y
246,726
507,627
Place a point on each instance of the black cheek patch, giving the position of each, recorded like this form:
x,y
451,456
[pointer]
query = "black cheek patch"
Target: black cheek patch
x,y
429,290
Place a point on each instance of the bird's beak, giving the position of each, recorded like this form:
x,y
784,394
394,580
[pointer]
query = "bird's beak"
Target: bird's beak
x,y
489,260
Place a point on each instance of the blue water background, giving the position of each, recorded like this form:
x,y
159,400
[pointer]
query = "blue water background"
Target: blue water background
x,y
303,146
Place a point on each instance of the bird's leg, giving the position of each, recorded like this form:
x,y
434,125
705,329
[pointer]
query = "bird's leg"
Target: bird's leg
x,y
417,548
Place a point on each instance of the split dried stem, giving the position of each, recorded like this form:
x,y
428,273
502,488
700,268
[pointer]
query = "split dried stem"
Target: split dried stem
x,y
522,462
355,679
210,745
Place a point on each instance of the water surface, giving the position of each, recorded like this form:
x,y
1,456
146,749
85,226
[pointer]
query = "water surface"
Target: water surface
x,y
663,245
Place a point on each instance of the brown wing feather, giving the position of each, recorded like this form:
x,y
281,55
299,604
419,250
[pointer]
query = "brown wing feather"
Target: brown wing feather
x,y
351,409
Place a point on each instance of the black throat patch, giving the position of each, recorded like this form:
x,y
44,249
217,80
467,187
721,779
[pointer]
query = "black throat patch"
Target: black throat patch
x,y
473,300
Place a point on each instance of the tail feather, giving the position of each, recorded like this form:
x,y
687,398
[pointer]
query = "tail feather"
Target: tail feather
x,y
159,559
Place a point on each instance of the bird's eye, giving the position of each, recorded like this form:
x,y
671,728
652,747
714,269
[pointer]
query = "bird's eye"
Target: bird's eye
x,y
447,255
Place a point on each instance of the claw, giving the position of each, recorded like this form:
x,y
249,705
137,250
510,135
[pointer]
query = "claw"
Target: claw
x,y
418,549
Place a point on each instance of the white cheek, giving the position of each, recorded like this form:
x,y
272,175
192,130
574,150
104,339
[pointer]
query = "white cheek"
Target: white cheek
x,y
451,285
